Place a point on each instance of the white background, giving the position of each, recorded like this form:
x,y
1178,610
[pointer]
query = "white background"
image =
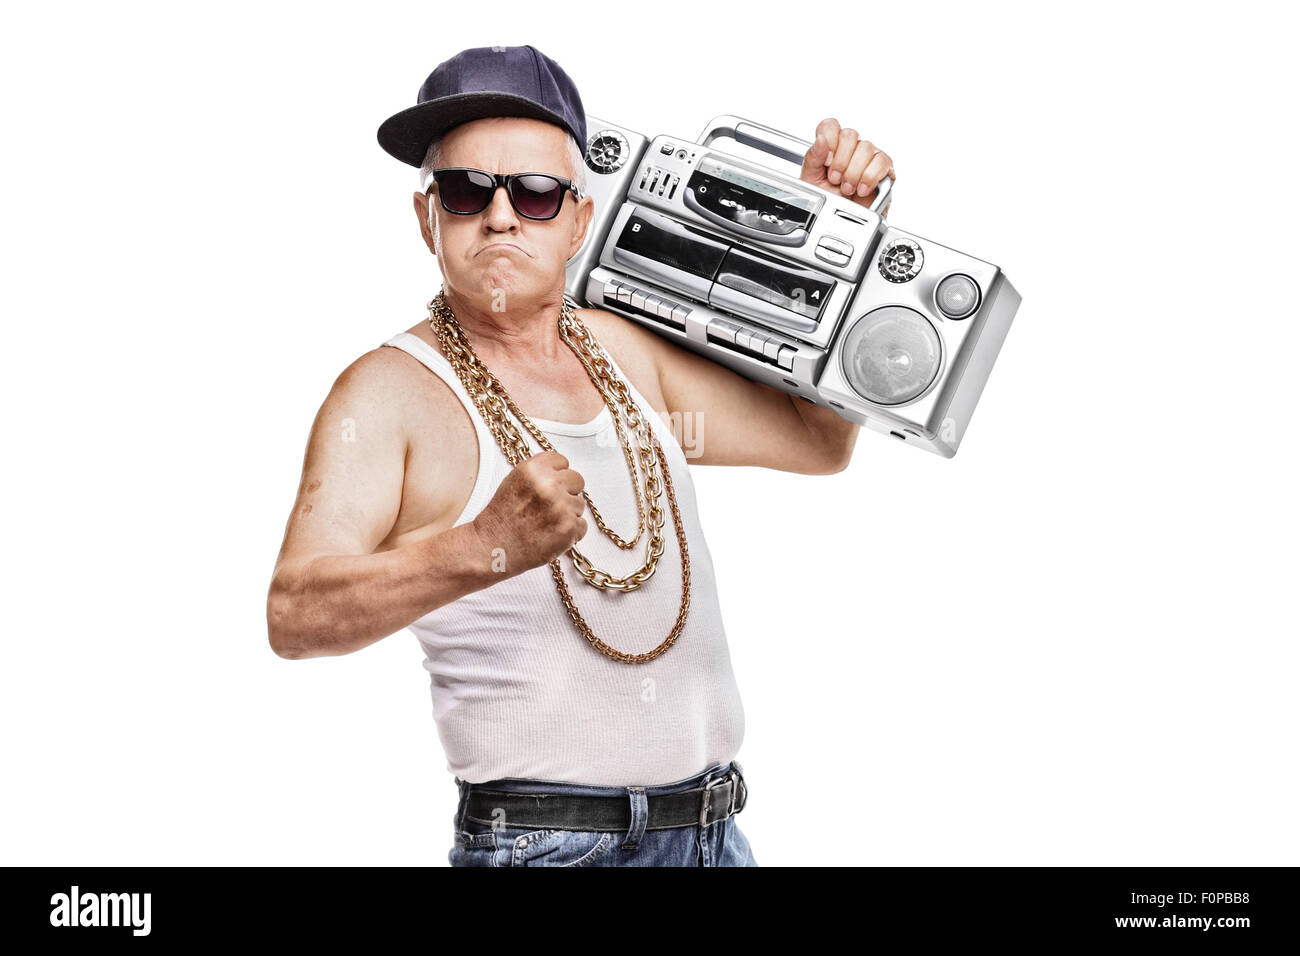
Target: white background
x,y
1073,643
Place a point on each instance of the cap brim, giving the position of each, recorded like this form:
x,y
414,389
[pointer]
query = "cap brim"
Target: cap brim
x,y
407,135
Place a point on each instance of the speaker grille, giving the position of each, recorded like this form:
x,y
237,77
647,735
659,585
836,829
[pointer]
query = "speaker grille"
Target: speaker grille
x,y
891,355
607,151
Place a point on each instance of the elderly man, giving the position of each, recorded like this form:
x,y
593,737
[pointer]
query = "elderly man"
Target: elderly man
x,y
586,702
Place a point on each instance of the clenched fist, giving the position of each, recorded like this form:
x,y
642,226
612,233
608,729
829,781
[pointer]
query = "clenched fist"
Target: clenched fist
x,y
536,513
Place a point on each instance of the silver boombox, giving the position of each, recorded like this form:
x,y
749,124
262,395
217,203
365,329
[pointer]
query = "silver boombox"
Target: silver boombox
x,y
789,284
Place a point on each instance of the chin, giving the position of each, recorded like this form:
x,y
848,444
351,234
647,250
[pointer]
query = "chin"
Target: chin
x,y
501,281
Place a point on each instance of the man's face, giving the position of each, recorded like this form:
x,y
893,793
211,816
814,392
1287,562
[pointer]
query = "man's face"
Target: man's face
x,y
497,254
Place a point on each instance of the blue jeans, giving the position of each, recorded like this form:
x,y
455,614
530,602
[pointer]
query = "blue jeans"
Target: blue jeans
x,y
481,844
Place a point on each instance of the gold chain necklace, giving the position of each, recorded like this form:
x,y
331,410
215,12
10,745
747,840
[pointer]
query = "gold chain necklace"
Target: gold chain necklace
x,y
492,402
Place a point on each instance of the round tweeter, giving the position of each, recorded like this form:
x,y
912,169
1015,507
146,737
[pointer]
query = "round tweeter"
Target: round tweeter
x,y
607,151
891,355
901,261
957,296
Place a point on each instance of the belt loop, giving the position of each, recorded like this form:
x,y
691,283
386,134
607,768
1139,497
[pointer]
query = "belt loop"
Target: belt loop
x,y
640,814
463,803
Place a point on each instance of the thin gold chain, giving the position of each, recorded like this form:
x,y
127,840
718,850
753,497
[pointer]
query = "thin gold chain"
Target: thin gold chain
x,y
492,402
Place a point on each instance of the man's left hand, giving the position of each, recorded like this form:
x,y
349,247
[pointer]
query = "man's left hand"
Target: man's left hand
x,y
840,160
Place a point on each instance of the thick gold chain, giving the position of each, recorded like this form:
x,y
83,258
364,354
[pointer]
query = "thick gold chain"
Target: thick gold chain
x,y
480,382
493,402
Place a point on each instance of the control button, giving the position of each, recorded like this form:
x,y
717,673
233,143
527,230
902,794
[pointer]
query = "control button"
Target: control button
x,y
751,339
665,309
638,300
831,256
652,304
679,315
785,357
838,245
666,149
625,294
957,296
770,348
723,331
611,288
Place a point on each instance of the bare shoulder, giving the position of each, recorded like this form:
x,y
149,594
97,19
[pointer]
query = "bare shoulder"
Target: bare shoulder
x,y
377,376
618,329
393,384
388,391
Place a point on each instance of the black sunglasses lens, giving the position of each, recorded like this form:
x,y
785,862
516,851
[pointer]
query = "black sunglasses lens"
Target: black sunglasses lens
x,y
465,190
537,196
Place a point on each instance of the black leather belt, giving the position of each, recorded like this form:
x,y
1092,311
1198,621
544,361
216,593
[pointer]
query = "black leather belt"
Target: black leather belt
x,y
717,799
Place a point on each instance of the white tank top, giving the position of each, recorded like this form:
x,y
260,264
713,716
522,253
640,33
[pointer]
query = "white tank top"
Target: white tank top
x,y
519,692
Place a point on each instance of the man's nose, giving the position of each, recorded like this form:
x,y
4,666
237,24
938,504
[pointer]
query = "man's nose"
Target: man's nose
x,y
500,213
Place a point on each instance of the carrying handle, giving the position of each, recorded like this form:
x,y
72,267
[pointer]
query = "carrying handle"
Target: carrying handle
x,y
778,144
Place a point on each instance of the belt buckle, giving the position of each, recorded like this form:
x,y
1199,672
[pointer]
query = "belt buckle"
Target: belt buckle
x,y
734,777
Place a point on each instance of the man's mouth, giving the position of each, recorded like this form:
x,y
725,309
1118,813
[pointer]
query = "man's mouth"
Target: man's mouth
x,y
500,245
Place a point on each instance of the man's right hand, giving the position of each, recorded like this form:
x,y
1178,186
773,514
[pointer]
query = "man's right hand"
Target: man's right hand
x,y
536,513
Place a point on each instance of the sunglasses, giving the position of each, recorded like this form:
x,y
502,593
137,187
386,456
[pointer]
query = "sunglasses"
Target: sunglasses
x,y
465,191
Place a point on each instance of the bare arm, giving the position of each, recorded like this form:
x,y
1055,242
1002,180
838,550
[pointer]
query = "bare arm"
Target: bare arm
x,y
738,421
330,593
734,420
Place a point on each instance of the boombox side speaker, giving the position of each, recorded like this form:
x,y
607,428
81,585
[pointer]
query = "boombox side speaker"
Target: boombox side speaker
x,y
891,355
918,342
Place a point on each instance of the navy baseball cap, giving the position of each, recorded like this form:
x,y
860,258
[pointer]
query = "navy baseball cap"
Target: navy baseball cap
x,y
481,82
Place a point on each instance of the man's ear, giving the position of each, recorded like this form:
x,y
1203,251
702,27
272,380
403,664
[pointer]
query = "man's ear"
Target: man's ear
x,y
428,226
581,221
